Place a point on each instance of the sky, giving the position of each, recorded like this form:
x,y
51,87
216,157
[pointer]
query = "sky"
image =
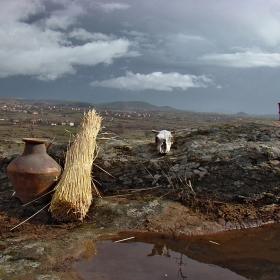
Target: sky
x,y
197,55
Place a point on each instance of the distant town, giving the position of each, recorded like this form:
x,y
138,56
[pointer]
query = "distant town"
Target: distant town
x,y
47,114
33,114
121,120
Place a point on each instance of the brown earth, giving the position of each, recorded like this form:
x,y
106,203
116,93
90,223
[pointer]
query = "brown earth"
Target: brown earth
x,y
144,211
176,212
234,168
234,186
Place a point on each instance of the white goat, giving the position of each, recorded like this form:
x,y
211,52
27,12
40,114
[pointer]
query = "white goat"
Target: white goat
x,y
164,140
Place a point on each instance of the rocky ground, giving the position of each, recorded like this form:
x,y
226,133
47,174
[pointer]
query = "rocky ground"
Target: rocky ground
x,y
215,178
229,172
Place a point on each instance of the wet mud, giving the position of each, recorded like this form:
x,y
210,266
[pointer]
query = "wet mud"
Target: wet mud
x,y
42,247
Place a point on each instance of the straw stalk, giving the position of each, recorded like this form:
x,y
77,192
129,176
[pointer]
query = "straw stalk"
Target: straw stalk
x,y
73,195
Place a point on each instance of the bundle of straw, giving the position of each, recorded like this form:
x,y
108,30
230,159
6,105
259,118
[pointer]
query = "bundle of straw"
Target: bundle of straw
x,y
73,195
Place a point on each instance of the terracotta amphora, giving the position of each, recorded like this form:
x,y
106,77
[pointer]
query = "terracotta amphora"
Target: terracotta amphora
x,y
34,172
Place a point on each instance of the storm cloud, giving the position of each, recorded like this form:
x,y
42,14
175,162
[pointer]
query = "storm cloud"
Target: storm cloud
x,y
199,55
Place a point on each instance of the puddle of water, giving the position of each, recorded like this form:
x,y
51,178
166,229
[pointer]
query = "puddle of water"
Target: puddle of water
x,y
139,261
234,255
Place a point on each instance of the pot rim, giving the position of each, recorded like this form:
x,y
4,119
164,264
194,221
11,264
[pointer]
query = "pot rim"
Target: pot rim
x,y
34,140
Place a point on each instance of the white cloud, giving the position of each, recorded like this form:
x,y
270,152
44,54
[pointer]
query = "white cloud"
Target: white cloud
x,y
14,10
54,60
40,49
139,38
83,35
247,59
63,18
134,33
109,7
154,81
185,38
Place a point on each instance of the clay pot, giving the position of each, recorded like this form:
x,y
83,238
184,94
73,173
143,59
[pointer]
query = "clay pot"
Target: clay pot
x,y
34,172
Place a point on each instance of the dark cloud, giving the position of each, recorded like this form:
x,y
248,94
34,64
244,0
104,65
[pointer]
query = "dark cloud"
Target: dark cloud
x,y
194,55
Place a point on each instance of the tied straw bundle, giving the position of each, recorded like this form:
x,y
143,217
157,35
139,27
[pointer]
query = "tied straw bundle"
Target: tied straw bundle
x,y
73,194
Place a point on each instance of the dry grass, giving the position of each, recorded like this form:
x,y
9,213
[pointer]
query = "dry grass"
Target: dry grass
x,y
73,195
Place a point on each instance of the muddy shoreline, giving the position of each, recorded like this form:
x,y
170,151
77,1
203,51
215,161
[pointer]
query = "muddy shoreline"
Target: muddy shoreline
x,y
42,248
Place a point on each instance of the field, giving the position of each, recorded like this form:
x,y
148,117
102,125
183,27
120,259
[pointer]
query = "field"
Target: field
x,y
19,121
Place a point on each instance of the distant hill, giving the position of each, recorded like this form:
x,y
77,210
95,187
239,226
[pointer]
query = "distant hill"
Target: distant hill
x,y
55,102
242,114
118,105
132,105
126,105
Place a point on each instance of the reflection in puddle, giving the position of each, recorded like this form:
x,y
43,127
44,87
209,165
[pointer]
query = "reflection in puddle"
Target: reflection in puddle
x,y
135,261
243,254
